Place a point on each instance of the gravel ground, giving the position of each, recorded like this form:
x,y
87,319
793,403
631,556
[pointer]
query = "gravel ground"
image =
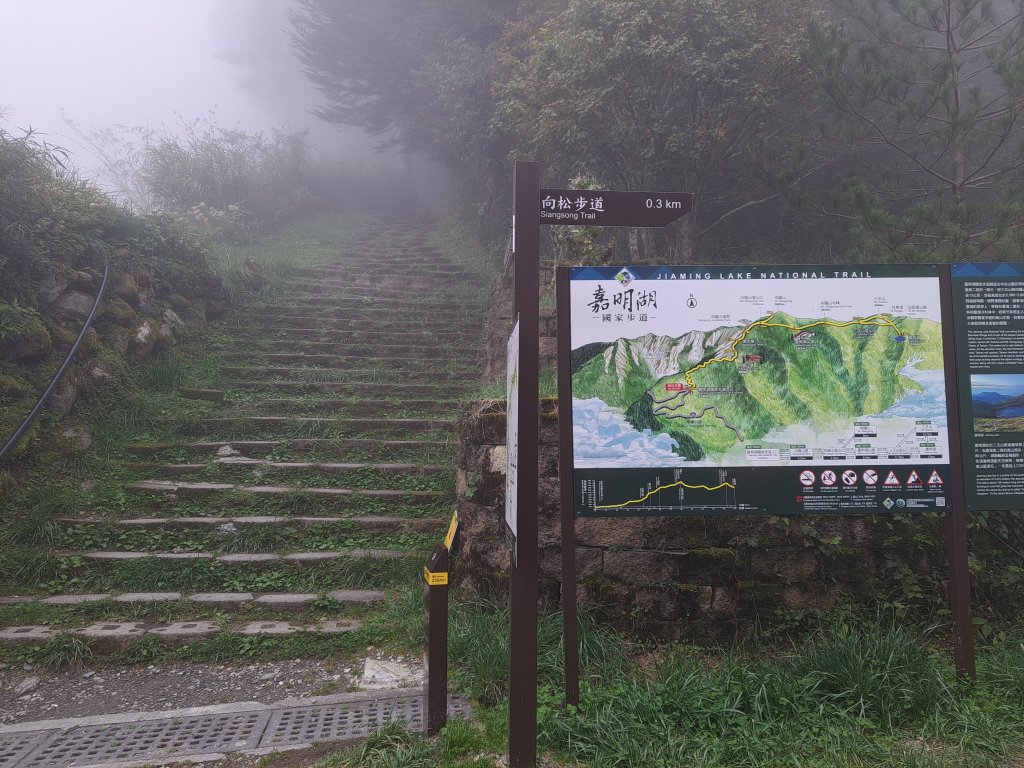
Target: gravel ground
x,y
40,694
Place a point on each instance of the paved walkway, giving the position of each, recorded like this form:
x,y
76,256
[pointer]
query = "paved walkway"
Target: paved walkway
x,y
210,733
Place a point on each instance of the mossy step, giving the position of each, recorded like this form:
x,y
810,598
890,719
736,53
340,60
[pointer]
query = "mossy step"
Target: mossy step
x,y
402,288
210,395
448,365
110,636
218,599
371,523
345,374
203,490
278,405
359,348
325,467
334,446
185,572
397,390
240,558
400,316
257,427
367,324
380,336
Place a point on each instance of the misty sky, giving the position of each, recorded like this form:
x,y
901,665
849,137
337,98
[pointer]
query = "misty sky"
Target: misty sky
x,y
142,62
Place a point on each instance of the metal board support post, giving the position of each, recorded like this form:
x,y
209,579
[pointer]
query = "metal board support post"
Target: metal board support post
x,y
522,709
956,517
566,490
435,574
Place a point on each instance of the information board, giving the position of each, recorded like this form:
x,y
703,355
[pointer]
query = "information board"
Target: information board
x,y
756,390
988,302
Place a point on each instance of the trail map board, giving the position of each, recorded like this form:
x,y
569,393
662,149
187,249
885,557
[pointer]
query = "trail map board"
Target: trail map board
x,y
752,390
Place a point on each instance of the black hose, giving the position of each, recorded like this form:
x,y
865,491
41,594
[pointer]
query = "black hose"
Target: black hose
x,y
60,371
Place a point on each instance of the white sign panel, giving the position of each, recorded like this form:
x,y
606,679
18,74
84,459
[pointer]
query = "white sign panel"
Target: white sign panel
x,y
512,430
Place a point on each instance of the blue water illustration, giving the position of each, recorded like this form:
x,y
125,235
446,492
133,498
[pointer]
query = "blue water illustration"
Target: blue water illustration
x,y
927,404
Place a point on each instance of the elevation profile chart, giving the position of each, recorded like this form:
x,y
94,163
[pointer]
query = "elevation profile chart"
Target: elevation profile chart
x,y
782,390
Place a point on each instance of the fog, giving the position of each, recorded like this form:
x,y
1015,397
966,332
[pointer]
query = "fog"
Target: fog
x,y
154,63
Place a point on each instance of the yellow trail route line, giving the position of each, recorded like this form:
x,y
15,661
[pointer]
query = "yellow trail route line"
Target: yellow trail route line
x,y
876,320
664,488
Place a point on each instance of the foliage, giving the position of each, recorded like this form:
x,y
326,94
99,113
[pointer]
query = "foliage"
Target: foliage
x,y
651,95
930,96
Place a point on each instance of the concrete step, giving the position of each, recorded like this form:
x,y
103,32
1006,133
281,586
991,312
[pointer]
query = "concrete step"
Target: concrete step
x,y
320,467
403,315
210,395
274,323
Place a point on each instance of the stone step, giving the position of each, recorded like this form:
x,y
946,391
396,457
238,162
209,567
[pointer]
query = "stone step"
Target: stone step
x,y
352,334
360,348
216,599
321,467
396,390
211,395
449,364
182,490
239,558
402,316
347,374
342,427
119,635
422,407
335,446
371,523
366,323
403,288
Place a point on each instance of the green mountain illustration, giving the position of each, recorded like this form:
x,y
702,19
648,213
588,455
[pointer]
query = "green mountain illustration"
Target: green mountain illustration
x,y
712,390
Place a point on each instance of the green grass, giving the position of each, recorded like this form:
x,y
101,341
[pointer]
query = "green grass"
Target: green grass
x,y
864,693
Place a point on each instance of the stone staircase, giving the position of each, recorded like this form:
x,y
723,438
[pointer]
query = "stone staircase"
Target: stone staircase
x,y
315,486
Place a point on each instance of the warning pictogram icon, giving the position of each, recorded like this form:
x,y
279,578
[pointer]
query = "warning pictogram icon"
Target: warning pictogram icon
x,y
914,479
849,477
934,478
828,477
807,478
891,479
870,477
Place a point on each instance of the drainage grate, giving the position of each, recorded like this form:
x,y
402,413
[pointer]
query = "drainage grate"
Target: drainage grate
x,y
87,745
14,746
339,722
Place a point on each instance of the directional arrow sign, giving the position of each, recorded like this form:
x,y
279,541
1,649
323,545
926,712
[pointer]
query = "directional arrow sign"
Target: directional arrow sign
x,y
608,208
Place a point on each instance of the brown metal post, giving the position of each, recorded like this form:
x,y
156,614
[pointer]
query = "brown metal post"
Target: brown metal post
x,y
522,705
567,490
956,518
435,574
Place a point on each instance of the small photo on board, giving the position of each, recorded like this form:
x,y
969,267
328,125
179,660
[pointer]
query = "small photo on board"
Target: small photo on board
x,y
997,402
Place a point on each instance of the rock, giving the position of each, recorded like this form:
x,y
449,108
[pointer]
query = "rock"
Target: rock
x,y
30,342
227,450
85,280
73,305
118,311
63,399
26,686
99,374
141,344
76,438
50,287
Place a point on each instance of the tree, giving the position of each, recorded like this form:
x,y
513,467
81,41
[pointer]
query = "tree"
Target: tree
x,y
646,94
931,93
